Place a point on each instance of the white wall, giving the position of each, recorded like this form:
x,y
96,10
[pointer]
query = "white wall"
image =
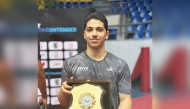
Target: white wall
x,y
129,50
113,19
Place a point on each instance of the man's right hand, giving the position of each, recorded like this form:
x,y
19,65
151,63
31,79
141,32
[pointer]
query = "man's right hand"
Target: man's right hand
x,y
66,88
64,93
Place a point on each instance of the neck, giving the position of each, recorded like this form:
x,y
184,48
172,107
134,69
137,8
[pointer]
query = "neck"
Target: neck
x,y
96,54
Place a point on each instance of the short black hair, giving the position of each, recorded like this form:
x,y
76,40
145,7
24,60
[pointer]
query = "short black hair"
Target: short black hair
x,y
97,16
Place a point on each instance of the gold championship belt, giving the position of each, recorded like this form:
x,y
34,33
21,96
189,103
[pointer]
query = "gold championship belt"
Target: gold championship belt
x,y
90,94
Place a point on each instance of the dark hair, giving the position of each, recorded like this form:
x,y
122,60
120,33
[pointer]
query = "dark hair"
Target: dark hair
x,y
97,16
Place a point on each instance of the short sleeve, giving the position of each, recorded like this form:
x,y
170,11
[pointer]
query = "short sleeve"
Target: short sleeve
x,y
66,71
124,81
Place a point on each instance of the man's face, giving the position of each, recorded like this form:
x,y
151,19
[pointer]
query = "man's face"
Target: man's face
x,y
95,34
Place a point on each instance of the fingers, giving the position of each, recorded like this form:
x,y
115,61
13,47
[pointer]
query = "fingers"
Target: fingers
x,y
65,91
40,101
72,78
65,88
45,106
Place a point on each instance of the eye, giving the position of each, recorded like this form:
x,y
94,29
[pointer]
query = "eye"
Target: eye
x,y
99,29
89,29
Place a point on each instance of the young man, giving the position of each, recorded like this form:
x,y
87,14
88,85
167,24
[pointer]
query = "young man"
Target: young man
x,y
97,63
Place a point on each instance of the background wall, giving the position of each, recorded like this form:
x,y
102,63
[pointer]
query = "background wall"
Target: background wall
x,y
129,50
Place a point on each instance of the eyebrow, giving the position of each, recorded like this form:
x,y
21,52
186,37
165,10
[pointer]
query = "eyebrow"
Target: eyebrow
x,y
96,27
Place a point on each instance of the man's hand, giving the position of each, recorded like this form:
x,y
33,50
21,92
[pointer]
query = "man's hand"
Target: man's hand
x,y
66,88
43,101
64,93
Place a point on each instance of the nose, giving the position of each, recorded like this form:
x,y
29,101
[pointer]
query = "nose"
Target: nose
x,y
94,32
94,36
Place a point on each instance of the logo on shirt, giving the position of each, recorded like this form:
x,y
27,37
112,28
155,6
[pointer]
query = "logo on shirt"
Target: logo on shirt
x,y
82,69
109,69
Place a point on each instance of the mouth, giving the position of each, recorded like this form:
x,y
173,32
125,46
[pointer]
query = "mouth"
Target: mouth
x,y
94,40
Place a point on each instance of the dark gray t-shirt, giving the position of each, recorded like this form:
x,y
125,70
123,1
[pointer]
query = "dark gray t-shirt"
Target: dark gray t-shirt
x,y
111,67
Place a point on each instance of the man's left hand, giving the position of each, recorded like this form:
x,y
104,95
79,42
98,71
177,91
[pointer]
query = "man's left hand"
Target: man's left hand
x,y
44,102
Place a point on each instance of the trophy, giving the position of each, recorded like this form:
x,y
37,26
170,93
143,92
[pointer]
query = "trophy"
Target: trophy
x,y
90,94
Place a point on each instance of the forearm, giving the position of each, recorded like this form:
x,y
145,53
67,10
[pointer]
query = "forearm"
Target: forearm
x,y
42,80
127,104
63,98
125,101
42,86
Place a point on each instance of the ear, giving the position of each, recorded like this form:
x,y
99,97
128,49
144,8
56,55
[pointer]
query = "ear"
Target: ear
x,y
107,35
84,35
